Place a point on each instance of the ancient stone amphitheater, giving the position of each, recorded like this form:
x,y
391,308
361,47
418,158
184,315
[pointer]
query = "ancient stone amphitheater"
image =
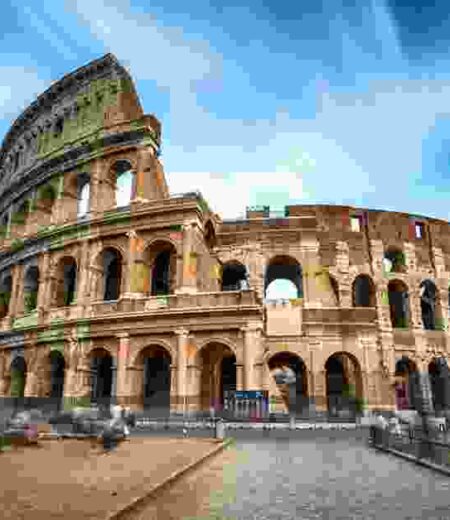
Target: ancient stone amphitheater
x,y
111,289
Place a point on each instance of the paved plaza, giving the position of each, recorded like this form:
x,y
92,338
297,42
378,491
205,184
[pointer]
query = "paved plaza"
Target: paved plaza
x,y
74,479
306,476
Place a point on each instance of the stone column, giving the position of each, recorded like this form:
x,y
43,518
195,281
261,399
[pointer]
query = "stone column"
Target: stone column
x,y
252,351
239,376
123,353
44,300
83,274
137,279
182,355
189,275
16,296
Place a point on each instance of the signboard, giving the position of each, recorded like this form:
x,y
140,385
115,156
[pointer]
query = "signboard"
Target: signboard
x,y
246,404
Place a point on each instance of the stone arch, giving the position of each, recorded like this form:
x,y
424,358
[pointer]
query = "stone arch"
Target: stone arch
x,y
399,304
428,304
18,376
334,290
5,292
218,375
363,291
153,379
157,343
125,183
286,269
394,260
160,259
344,386
102,376
56,366
31,287
210,234
438,371
234,276
290,374
83,193
112,270
66,280
405,385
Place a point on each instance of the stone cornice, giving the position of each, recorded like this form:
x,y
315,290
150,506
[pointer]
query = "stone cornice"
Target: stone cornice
x,y
106,66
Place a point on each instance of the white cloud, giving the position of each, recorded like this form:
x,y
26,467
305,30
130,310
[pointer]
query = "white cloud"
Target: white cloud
x,y
360,146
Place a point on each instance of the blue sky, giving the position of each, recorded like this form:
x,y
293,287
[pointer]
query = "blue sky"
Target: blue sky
x,y
277,103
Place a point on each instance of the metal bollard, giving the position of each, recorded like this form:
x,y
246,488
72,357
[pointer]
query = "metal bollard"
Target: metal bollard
x,y
220,429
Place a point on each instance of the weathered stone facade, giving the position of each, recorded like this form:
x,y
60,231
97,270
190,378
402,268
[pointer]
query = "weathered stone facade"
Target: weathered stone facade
x,y
145,280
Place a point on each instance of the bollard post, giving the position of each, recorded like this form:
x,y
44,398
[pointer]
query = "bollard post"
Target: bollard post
x,y
219,429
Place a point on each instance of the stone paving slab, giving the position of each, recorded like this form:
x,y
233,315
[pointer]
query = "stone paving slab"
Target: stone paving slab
x,y
74,479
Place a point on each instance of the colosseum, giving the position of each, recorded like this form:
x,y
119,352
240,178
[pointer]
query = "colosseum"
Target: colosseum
x,y
113,290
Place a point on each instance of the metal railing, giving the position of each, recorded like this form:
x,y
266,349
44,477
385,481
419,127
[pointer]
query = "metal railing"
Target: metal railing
x,y
411,440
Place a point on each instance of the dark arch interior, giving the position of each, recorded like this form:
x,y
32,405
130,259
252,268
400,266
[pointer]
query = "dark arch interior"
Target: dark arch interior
x,y
122,166
363,292
57,366
285,268
156,382
210,236
399,304
234,277
31,288
342,377
69,280
228,376
112,274
102,377
397,257
440,384
335,289
428,304
161,274
18,377
5,294
405,390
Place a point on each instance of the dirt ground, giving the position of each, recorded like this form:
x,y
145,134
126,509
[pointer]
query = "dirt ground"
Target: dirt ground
x,y
73,479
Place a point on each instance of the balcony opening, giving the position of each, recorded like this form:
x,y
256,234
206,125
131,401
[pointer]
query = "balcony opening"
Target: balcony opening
x,y
363,291
31,286
428,304
234,277
399,304
112,270
283,279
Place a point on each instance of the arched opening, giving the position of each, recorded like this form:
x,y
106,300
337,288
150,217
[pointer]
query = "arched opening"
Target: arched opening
x,y
218,375
18,377
155,362
428,304
290,375
57,367
101,377
112,271
363,291
334,290
440,384
210,235
67,281
83,195
394,260
124,183
405,384
344,385
398,304
234,277
31,287
161,261
5,293
283,279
